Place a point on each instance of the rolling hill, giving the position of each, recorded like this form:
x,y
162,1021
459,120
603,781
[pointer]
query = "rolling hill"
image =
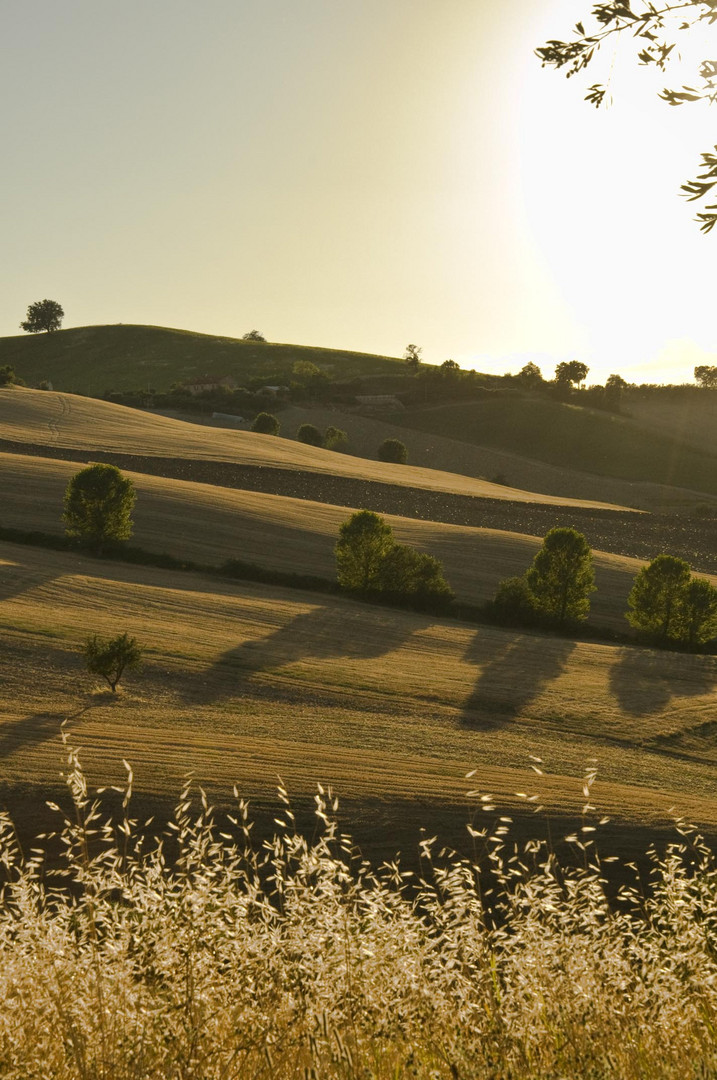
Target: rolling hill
x,y
242,681
95,359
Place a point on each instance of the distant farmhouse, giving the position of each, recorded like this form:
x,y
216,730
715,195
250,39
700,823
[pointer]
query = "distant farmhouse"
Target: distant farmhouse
x,y
209,382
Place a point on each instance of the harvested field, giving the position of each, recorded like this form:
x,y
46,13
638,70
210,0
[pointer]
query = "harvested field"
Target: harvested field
x,y
242,683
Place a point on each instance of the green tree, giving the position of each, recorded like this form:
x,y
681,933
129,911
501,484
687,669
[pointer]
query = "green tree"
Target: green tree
x,y
414,576
562,577
412,356
335,438
656,598
8,376
393,450
310,434
266,424
514,603
655,29
530,376
698,612
571,371
43,315
253,335
364,541
98,505
706,376
111,657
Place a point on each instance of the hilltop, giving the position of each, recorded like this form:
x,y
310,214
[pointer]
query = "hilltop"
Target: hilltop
x,y
97,359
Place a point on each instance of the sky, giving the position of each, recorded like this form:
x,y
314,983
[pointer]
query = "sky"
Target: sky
x,y
355,174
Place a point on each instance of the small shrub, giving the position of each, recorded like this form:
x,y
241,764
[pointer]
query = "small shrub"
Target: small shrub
x,y
335,438
266,424
111,657
393,450
514,603
310,434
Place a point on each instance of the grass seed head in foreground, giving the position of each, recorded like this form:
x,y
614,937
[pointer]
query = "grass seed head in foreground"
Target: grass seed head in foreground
x,y
298,960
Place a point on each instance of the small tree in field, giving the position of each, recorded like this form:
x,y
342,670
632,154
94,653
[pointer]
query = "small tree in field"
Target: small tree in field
x,y
393,450
655,598
561,577
363,543
335,438
43,315
98,505
266,424
111,657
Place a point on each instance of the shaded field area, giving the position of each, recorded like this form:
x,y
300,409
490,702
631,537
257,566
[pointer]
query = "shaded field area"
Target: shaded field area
x,y
567,434
242,683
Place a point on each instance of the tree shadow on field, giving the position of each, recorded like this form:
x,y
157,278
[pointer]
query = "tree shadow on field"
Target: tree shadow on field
x,y
515,668
644,681
17,578
28,731
358,632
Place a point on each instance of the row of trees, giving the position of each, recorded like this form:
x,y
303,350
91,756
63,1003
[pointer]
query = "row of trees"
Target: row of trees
x,y
667,604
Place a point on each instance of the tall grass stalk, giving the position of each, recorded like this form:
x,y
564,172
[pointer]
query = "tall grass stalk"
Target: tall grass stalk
x,y
195,954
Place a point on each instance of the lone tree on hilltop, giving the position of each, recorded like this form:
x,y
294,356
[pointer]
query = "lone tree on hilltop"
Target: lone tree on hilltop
x,y
111,657
363,543
266,424
253,335
98,505
412,356
571,372
43,315
393,450
562,577
667,604
655,29
706,376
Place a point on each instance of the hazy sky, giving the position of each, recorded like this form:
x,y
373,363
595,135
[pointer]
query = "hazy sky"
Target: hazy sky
x,y
351,173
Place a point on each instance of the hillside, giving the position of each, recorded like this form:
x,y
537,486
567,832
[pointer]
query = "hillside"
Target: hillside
x,y
209,524
566,434
65,421
95,359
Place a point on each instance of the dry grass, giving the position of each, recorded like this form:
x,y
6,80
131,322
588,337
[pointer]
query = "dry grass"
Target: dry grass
x,y
208,957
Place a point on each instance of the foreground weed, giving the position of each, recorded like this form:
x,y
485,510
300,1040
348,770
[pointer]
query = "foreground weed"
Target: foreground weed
x,y
196,955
